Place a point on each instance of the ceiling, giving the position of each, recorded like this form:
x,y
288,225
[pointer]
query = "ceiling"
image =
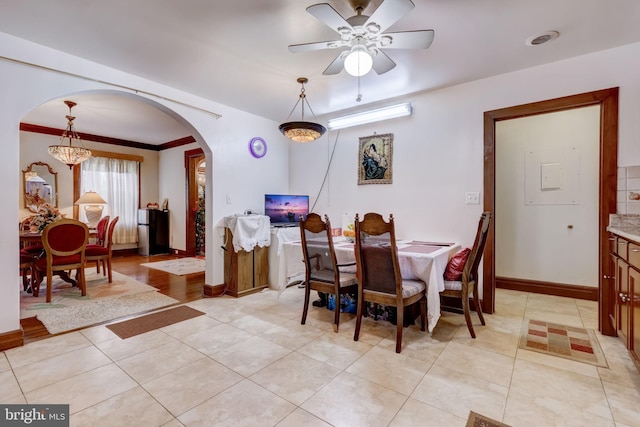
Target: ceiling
x,y
235,52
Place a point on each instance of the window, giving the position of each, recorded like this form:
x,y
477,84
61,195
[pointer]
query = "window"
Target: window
x,y
116,180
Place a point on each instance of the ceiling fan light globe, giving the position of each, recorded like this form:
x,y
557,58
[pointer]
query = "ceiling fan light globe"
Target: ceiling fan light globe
x,y
358,62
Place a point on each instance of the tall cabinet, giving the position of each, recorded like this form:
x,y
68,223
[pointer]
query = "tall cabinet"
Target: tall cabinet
x,y
626,260
245,272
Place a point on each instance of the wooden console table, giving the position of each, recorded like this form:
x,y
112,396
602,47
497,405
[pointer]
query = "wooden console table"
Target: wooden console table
x,y
244,272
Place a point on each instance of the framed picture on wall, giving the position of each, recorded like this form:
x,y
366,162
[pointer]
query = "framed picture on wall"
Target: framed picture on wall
x,y
375,157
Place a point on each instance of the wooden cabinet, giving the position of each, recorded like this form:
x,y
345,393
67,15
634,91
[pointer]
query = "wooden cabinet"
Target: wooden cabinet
x,y
245,272
626,258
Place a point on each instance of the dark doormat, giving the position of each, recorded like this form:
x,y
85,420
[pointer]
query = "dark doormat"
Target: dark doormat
x,y
142,324
477,420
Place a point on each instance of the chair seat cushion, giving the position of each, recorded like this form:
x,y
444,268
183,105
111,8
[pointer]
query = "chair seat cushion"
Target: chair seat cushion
x,y
41,263
25,259
453,285
412,287
346,279
32,251
96,250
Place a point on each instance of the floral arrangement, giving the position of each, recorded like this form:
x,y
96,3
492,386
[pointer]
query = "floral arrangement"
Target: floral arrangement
x,y
47,214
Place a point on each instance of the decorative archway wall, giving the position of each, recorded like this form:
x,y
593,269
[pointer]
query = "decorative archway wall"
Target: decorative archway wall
x,y
33,74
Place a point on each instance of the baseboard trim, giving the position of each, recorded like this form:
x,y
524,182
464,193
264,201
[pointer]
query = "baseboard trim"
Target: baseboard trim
x,y
180,253
213,290
548,288
11,339
125,252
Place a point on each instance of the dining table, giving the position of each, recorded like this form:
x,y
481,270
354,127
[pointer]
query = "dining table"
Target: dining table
x,y
418,259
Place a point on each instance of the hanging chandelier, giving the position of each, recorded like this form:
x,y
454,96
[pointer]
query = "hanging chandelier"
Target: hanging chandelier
x,y
302,131
65,151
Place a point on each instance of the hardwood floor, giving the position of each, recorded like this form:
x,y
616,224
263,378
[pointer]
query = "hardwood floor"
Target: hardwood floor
x,y
182,288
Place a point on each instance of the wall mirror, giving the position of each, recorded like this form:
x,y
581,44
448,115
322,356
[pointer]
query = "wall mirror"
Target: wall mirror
x,y
40,185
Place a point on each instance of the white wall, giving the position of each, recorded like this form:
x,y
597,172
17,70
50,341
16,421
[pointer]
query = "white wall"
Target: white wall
x,y
532,239
438,152
224,140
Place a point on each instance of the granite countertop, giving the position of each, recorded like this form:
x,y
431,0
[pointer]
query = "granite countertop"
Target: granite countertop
x,y
625,225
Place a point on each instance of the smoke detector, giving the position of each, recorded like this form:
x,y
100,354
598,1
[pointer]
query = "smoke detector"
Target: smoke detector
x,y
539,39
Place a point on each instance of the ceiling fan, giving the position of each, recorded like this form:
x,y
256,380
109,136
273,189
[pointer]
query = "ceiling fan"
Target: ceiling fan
x,y
362,37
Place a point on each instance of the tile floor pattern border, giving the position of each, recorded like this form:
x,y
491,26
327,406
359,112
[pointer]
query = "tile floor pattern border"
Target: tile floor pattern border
x,y
570,342
249,362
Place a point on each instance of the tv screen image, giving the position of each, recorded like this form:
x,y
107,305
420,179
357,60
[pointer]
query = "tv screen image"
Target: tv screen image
x,y
285,208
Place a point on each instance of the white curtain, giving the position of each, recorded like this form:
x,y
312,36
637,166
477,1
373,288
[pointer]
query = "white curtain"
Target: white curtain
x,y
116,181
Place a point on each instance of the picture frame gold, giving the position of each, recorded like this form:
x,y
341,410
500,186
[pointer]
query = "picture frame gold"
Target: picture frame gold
x,y
375,159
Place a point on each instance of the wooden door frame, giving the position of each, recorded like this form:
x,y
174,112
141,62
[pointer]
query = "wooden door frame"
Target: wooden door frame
x,y
607,99
191,160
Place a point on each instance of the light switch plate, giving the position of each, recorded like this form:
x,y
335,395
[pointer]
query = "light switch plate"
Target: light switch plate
x,y
473,199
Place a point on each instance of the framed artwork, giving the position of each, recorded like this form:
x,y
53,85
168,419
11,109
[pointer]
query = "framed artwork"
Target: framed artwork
x,y
375,157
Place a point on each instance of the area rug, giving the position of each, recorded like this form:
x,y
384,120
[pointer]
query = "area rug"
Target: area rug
x,y
179,267
477,420
104,301
142,324
569,342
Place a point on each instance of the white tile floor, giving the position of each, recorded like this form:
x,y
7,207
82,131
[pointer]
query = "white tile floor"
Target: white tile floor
x,y
249,362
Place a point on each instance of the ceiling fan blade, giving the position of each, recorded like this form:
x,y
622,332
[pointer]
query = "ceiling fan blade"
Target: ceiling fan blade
x,y
420,39
389,12
307,47
382,63
336,66
329,16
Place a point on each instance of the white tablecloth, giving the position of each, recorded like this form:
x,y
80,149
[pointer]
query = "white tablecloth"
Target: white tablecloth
x,y
417,260
249,231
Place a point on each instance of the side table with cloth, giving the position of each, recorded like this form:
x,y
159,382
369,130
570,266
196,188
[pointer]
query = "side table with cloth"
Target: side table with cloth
x,y
246,264
426,261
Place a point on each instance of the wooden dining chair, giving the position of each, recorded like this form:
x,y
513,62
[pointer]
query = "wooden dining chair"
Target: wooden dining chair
x,y
64,244
102,253
322,271
467,286
379,277
101,230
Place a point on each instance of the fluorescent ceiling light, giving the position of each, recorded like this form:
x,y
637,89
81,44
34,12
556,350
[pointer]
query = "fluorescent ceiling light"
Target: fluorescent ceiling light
x,y
370,116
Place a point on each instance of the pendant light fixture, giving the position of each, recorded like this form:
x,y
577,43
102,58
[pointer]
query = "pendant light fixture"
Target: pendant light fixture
x,y
65,151
302,131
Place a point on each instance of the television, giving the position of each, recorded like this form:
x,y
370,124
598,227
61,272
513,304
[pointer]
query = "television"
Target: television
x,y
285,209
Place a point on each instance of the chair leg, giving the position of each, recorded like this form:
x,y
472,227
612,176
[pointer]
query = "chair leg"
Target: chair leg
x,y
108,269
399,327
359,309
307,291
467,316
423,314
35,282
98,266
49,284
82,284
336,315
25,279
476,300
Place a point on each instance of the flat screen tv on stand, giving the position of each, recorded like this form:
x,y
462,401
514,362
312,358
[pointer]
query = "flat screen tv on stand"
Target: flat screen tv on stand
x,y
285,210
